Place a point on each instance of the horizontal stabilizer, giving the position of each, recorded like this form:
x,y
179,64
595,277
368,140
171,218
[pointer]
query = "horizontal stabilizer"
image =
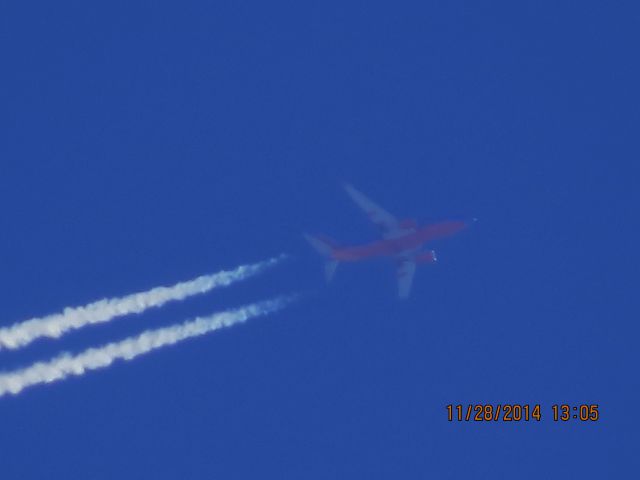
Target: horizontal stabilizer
x,y
323,246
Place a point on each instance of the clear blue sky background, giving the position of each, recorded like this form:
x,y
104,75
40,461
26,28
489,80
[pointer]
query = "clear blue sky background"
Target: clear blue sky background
x,y
145,143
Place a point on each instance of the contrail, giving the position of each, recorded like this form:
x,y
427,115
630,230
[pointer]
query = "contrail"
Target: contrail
x,y
72,318
94,358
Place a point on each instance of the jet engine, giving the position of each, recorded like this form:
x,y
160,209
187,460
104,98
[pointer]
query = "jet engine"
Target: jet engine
x,y
427,257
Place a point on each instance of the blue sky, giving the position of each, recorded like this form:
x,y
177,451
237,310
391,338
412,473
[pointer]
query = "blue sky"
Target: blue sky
x,y
145,143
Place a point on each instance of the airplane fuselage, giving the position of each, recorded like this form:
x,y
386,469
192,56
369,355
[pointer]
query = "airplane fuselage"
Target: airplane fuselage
x,y
399,245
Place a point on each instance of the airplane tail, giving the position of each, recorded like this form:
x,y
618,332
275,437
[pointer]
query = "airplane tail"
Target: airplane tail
x,y
325,246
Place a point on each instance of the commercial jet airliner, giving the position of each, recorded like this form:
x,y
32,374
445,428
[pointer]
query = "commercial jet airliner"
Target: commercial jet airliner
x,y
402,240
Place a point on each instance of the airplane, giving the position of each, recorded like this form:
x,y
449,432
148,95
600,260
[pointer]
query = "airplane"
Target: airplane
x,y
402,240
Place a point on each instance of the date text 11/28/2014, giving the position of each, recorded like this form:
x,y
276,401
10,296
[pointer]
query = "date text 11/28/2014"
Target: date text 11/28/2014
x,y
514,412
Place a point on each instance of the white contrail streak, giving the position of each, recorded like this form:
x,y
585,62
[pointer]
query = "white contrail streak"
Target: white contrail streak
x,y
66,365
55,325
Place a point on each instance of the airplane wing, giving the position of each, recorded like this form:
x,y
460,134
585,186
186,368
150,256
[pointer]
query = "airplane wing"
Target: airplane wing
x,y
404,272
380,217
